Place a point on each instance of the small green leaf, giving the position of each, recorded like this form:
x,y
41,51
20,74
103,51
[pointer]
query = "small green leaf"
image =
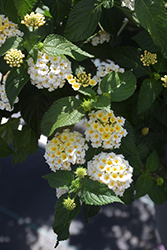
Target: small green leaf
x,y
128,196
145,41
10,10
152,162
149,91
89,211
15,81
59,179
63,217
120,86
82,20
5,150
24,6
68,112
158,194
96,193
55,45
87,91
143,185
11,43
103,102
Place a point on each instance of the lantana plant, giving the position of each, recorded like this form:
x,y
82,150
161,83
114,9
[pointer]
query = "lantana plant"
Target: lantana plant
x,y
99,63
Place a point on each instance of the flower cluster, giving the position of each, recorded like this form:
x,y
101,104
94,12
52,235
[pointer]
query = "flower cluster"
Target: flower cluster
x,y
60,192
14,57
100,38
4,102
164,79
64,149
8,29
111,169
148,58
49,72
82,79
34,20
129,4
103,69
104,129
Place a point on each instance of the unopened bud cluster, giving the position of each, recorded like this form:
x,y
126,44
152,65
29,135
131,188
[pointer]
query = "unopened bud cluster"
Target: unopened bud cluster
x,y
82,79
148,58
164,79
34,20
14,57
69,204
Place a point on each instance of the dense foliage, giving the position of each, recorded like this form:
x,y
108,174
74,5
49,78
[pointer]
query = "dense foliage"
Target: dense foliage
x,y
99,62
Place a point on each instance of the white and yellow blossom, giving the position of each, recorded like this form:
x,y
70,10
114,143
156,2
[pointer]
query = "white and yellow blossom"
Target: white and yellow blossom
x,y
8,29
49,71
4,102
82,79
64,149
104,129
34,20
112,170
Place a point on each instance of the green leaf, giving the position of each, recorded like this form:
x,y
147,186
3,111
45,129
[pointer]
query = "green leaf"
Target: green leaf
x,y
10,10
5,150
25,143
68,112
149,91
63,217
143,185
152,162
120,86
89,211
24,6
158,194
152,16
98,194
103,102
128,196
87,91
129,58
61,178
6,129
145,41
57,45
136,163
128,142
33,105
10,43
15,81
82,20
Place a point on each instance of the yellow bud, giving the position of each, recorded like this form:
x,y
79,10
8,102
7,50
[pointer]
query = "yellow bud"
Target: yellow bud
x,y
145,131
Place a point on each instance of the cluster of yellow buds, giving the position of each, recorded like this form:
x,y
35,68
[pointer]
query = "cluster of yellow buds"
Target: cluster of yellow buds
x,y
82,79
164,79
148,58
34,20
14,57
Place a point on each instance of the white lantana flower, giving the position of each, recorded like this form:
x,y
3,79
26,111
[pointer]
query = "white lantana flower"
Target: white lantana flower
x,y
112,170
49,71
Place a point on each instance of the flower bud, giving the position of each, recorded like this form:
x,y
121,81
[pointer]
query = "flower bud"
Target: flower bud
x,y
69,204
145,131
160,181
81,172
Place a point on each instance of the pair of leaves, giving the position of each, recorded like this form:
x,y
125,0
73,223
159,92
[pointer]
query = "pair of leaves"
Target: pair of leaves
x,y
120,86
